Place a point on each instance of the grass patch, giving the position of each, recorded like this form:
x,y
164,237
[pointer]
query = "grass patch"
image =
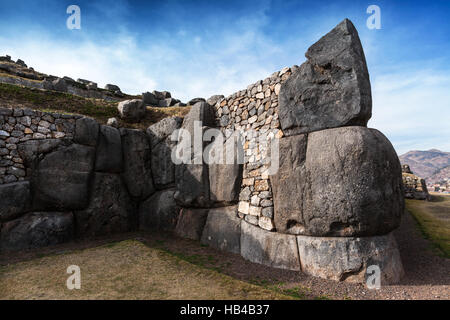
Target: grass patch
x,y
433,218
14,96
124,270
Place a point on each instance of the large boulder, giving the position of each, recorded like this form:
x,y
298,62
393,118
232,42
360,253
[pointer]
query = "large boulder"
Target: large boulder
x,y
163,167
149,99
225,177
214,99
191,223
354,183
348,259
289,185
15,199
59,84
35,230
159,212
161,95
112,87
161,130
273,249
61,179
86,131
30,151
109,150
192,179
346,183
331,89
137,172
223,229
132,110
110,208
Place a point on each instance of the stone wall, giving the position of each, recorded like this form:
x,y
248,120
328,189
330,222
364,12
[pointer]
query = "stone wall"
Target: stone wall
x,y
21,125
329,210
255,109
414,186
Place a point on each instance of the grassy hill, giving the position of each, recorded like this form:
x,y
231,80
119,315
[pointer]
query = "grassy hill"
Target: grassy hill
x,y
13,96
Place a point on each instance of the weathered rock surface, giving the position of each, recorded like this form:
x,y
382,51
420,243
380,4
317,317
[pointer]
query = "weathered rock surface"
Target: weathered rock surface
x,y
191,223
331,89
346,183
149,99
225,177
159,131
347,259
289,185
86,132
35,230
109,150
137,172
15,199
192,179
223,229
269,248
214,99
61,179
32,149
110,209
163,167
159,212
354,183
132,110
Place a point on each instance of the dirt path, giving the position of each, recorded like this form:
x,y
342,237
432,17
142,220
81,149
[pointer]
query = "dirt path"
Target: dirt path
x,y
427,276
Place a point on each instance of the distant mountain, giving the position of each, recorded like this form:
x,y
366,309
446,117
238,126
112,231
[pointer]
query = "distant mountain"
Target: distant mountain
x,y
440,175
426,163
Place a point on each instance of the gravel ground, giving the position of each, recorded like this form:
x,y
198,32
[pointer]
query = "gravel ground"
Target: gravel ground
x,y
427,276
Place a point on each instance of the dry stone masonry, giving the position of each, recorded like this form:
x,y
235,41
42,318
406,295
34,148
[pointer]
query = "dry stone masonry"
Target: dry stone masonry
x,y
328,211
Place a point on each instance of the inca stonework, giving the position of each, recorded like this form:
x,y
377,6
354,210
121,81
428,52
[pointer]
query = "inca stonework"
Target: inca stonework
x,y
329,210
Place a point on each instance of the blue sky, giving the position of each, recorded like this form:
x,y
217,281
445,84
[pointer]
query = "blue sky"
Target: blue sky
x,y
201,48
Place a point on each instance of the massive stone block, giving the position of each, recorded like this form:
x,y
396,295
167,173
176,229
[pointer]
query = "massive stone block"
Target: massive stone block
x,y
132,110
346,183
223,229
354,183
35,230
163,167
15,199
347,259
192,179
331,89
31,150
191,223
159,212
109,150
61,179
269,248
225,177
86,131
137,172
289,185
110,209
159,131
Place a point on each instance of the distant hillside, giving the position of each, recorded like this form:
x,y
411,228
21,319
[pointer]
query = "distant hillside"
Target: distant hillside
x,y
426,163
440,175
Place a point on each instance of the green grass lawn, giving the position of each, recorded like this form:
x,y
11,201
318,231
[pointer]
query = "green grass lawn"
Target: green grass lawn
x,y
433,218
